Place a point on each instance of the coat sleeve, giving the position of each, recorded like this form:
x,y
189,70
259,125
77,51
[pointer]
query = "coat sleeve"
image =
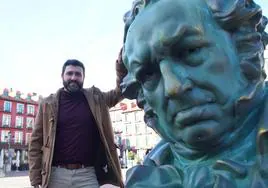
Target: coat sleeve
x,y
35,149
112,97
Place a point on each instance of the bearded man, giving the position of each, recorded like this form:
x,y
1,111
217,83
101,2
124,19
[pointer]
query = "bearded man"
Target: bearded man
x,y
72,143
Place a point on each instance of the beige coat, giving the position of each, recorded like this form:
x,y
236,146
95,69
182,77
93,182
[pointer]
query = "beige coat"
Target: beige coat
x,y
43,138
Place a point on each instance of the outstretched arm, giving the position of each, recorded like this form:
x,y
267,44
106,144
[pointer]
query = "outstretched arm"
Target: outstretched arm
x,y
114,96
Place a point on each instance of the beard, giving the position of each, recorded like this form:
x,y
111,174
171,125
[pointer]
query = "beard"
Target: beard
x,y
72,86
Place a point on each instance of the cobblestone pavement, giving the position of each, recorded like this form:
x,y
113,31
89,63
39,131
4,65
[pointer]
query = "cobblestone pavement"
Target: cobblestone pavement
x,y
17,173
15,182
21,180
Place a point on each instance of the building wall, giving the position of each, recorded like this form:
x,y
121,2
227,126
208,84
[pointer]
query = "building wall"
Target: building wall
x,y
15,134
131,133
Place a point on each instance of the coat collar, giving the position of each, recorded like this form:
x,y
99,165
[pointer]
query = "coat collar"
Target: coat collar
x,y
54,100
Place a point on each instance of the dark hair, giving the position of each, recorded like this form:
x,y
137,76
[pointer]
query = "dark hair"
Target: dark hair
x,y
73,62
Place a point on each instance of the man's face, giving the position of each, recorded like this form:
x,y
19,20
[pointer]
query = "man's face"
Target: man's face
x,y
73,78
188,69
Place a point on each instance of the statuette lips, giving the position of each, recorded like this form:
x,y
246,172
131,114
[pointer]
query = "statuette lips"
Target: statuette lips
x,y
197,114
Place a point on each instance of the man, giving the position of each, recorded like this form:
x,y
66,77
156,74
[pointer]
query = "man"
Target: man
x,y
197,69
72,143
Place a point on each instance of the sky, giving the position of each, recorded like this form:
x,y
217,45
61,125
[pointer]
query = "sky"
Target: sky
x,y
38,36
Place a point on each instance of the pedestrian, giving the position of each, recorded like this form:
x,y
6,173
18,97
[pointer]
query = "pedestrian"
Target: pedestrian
x,y
72,143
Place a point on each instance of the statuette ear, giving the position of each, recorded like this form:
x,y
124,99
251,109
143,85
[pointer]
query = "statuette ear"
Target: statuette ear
x,y
137,5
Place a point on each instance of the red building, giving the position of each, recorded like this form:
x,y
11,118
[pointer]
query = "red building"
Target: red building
x,y
17,115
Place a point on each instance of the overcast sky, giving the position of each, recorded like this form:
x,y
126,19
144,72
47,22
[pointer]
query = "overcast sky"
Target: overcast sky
x,y
38,36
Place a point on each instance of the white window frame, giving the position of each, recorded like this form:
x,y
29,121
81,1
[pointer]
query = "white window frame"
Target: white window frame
x,y
27,138
18,138
29,122
138,116
7,106
4,135
19,121
30,109
6,120
118,116
128,117
20,108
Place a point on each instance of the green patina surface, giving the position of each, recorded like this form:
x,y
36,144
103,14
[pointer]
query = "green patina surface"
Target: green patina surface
x,y
196,67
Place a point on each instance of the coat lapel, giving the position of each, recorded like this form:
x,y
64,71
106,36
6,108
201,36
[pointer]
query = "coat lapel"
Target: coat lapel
x,y
54,107
93,101
89,94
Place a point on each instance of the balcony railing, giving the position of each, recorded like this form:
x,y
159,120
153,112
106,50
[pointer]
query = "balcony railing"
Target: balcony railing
x,y
30,113
20,112
19,126
29,127
7,110
14,145
6,125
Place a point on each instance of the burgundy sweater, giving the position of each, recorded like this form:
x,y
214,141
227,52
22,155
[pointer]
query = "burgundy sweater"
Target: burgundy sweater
x,y
77,137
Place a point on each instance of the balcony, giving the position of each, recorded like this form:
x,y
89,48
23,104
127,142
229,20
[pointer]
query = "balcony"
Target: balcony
x,y
14,145
7,110
29,127
20,112
30,114
5,125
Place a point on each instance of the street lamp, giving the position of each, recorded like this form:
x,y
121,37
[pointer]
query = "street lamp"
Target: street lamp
x,y
8,164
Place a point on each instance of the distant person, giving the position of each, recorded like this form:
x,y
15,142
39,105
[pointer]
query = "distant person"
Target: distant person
x,y
72,144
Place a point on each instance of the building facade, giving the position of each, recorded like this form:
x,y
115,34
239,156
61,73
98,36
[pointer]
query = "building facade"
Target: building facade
x,y
131,133
17,115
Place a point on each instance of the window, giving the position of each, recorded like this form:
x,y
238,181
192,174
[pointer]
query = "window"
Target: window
x,y
7,106
138,116
6,120
4,136
20,108
19,121
29,122
30,109
140,128
28,137
127,117
118,116
112,113
18,137
130,129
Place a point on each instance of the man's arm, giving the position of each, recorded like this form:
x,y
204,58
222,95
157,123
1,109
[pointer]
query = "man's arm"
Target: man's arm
x,y
35,152
114,96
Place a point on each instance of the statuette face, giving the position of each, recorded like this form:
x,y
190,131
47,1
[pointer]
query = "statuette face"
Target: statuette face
x,y
196,68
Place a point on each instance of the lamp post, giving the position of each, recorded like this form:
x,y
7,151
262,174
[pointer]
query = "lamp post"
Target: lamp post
x,y
8,164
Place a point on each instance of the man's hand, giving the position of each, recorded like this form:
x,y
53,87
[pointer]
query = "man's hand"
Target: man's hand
x,y
120,68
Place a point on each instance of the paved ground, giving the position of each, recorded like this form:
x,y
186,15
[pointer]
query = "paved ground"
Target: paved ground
x,y
15,182
21,180
16,173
